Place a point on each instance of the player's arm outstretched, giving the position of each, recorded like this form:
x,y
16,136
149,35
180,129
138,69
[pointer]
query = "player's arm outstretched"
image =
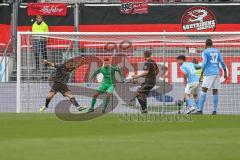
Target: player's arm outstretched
x,y
144,74
80,62
94,74
49,63
119,70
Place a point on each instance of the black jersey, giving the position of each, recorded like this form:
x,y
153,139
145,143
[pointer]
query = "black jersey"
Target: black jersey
x,y
152,68
61,74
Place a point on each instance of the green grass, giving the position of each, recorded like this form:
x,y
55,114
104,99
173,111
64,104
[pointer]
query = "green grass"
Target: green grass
x,y
44,137
158,108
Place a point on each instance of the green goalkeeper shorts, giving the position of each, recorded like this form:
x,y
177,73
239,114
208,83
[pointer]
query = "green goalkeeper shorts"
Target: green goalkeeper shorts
x,y
109,88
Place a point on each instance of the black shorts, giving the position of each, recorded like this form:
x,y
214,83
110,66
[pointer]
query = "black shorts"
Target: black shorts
x,y
145,88
59,87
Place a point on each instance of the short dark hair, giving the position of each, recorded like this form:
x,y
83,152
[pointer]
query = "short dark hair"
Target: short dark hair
x,y
182,57
69,61
147,54
106,59
209,42
195,61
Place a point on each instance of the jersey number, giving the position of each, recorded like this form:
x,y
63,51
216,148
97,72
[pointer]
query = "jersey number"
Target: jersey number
x,y
214,57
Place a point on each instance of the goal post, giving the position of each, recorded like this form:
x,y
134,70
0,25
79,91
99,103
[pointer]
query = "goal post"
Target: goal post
x,y
124,49
18,85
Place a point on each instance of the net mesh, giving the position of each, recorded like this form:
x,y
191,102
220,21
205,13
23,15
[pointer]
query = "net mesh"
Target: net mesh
x,y
125,51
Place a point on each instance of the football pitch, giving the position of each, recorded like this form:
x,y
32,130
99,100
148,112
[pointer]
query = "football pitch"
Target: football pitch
x,y
45,137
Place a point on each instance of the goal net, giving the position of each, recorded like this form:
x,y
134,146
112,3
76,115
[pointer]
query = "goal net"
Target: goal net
x,y
124,50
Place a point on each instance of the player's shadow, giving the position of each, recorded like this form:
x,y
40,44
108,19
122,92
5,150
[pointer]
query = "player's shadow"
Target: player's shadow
x,y
62,109
127,94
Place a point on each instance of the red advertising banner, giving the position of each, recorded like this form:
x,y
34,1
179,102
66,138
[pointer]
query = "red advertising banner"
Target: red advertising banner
x,y
134,7
47,9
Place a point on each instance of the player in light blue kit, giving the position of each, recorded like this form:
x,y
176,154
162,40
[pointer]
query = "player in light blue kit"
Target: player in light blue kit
x,y
212,59
191,80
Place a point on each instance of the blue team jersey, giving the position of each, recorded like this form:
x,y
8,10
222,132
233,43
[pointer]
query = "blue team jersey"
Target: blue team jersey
x,y
190,70
211,60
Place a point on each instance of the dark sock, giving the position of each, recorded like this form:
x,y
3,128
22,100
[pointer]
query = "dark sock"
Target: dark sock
x,y
47,102
105,103
94,100
143,102
74,102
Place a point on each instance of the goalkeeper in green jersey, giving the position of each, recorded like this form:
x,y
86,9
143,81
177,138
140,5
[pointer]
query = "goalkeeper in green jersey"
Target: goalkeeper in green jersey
x,y
108,84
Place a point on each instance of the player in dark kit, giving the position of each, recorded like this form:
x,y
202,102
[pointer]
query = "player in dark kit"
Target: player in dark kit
x,y
150,73
59,79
